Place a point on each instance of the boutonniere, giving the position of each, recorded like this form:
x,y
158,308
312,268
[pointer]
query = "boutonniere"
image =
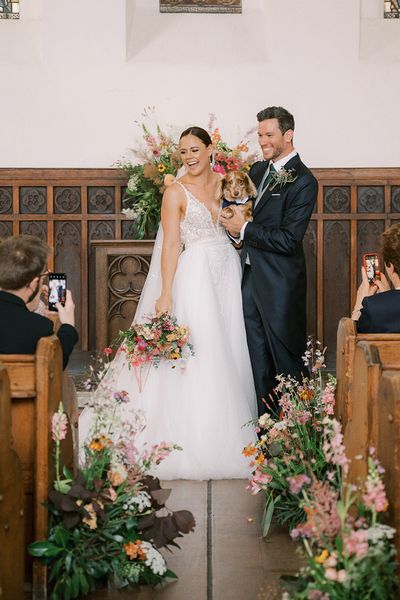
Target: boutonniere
x,y
282,177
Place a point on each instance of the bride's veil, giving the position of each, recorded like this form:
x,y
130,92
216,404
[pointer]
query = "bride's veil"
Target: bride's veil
x,y
152,287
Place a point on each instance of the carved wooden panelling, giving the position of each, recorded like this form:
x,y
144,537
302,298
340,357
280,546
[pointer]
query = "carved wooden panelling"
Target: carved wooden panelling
x,y
67,200
5,229
336,199
310,251
6,200
36,228
336,282
395,198
128,230
101,200
68,259
84,206
33,200
125,279
370,199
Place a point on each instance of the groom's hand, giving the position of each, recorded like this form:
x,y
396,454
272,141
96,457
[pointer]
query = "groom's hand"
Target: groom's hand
x,y
235,223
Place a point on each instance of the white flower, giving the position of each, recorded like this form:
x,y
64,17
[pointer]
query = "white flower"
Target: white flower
x,y
131,213
154,559
132,183
138,503
265,421
380,532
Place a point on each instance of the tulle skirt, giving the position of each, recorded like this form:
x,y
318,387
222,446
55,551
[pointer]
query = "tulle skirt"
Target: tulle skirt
x,y
205,407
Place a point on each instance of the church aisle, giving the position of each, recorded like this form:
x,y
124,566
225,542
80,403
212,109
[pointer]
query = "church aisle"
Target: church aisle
x,y
225,558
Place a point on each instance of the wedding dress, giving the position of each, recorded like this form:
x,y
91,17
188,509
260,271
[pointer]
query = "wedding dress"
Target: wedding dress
x,y
205,408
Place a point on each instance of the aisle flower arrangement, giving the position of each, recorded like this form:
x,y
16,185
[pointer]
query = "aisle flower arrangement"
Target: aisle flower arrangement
x,y
349,554
156,162
109,521
291,443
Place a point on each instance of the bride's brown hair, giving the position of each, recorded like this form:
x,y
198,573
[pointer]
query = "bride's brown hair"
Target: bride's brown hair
x,y
199,132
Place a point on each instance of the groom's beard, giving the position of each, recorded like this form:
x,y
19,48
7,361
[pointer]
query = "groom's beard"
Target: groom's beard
x,y
34,293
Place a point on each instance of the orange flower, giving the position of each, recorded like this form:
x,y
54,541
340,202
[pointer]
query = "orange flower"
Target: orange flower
x,y
98,444
306,394
249,450
133,550
259,460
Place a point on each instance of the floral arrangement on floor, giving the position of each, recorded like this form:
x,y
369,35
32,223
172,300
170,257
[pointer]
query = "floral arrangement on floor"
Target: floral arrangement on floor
x,y
156,164
291,440
349,553
109,521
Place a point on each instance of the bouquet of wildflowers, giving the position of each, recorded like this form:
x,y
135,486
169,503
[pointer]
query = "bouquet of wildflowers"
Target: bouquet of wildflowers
x,y
156,164
238,158
158,339
292,442
349,553
109,521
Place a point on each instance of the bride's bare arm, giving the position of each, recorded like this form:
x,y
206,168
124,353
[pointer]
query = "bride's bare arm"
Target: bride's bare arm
x,y
171,210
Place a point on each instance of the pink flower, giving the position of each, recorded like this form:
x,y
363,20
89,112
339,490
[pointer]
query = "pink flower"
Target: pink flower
x,y
59,425
328,399
296,482
375,495
258,482
131,452
333,447
219,169
121,396
107,351
356,543
333,575
142,345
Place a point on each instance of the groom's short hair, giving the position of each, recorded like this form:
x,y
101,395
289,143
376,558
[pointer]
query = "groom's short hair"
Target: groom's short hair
x,y
284,117
22,258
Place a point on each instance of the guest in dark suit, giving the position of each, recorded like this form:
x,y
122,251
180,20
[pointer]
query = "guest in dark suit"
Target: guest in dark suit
x,y
23,261
377,306
274,273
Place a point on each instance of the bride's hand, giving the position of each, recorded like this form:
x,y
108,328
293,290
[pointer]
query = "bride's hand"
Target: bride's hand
x,y
163,305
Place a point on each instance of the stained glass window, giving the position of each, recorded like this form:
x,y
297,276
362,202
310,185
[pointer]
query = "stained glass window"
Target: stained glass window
x,y
9,9
217,6
392,9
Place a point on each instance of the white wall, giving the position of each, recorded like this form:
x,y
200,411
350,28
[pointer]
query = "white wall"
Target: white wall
x,y
76,75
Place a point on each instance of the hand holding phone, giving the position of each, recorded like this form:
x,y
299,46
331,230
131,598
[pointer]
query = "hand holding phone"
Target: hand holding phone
x,y
372,267
57,290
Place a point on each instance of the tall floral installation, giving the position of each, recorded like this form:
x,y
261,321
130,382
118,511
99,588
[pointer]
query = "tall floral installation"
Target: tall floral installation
x,y
109,522
156,163
299,463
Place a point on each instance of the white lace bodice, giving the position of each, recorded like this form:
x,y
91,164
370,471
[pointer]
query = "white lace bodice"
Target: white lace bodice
x,y
198,224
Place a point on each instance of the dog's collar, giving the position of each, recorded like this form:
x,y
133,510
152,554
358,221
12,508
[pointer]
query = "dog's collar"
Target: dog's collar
x,y
239,200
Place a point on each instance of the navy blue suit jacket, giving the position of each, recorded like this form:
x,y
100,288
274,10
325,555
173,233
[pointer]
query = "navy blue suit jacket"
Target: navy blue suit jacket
x,y
380,313
274,243
21,329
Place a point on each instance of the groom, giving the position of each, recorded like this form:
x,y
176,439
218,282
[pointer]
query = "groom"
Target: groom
x,y
274,281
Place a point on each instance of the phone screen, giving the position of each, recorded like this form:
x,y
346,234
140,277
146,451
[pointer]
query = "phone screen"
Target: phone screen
x,y
372,268
57,289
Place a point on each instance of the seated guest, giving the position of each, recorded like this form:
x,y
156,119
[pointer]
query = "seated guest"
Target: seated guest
x,y
23,261
377,307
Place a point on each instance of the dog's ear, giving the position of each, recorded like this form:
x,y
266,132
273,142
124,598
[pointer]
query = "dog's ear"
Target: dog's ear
x,y
251,189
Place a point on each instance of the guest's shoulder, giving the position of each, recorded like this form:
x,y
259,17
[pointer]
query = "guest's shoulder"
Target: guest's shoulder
x,y
40,322
383,299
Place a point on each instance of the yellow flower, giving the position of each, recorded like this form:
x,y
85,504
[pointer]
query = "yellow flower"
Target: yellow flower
x,y
322,557
247,167
174,355
161,167
259,460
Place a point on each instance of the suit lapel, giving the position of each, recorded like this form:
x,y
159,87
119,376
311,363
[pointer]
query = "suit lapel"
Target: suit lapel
x,y
291,164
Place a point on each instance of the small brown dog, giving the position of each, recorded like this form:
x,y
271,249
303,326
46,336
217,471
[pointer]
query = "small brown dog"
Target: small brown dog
x,y
237,189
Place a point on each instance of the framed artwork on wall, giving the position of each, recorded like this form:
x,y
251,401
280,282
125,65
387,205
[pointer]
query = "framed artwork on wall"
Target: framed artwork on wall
x,y
213,6
9,9
391,9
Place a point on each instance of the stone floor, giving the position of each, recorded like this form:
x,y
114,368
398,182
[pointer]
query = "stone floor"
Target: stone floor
x,y
226,557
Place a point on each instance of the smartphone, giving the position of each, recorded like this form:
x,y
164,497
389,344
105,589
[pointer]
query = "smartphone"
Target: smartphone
x,y
57,289
372,266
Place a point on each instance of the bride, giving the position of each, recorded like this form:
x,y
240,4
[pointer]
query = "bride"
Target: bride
x,y
197,278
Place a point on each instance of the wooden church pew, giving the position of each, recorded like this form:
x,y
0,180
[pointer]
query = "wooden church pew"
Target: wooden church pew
x,y
388,449
347,339
11,503
36,391
370,363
